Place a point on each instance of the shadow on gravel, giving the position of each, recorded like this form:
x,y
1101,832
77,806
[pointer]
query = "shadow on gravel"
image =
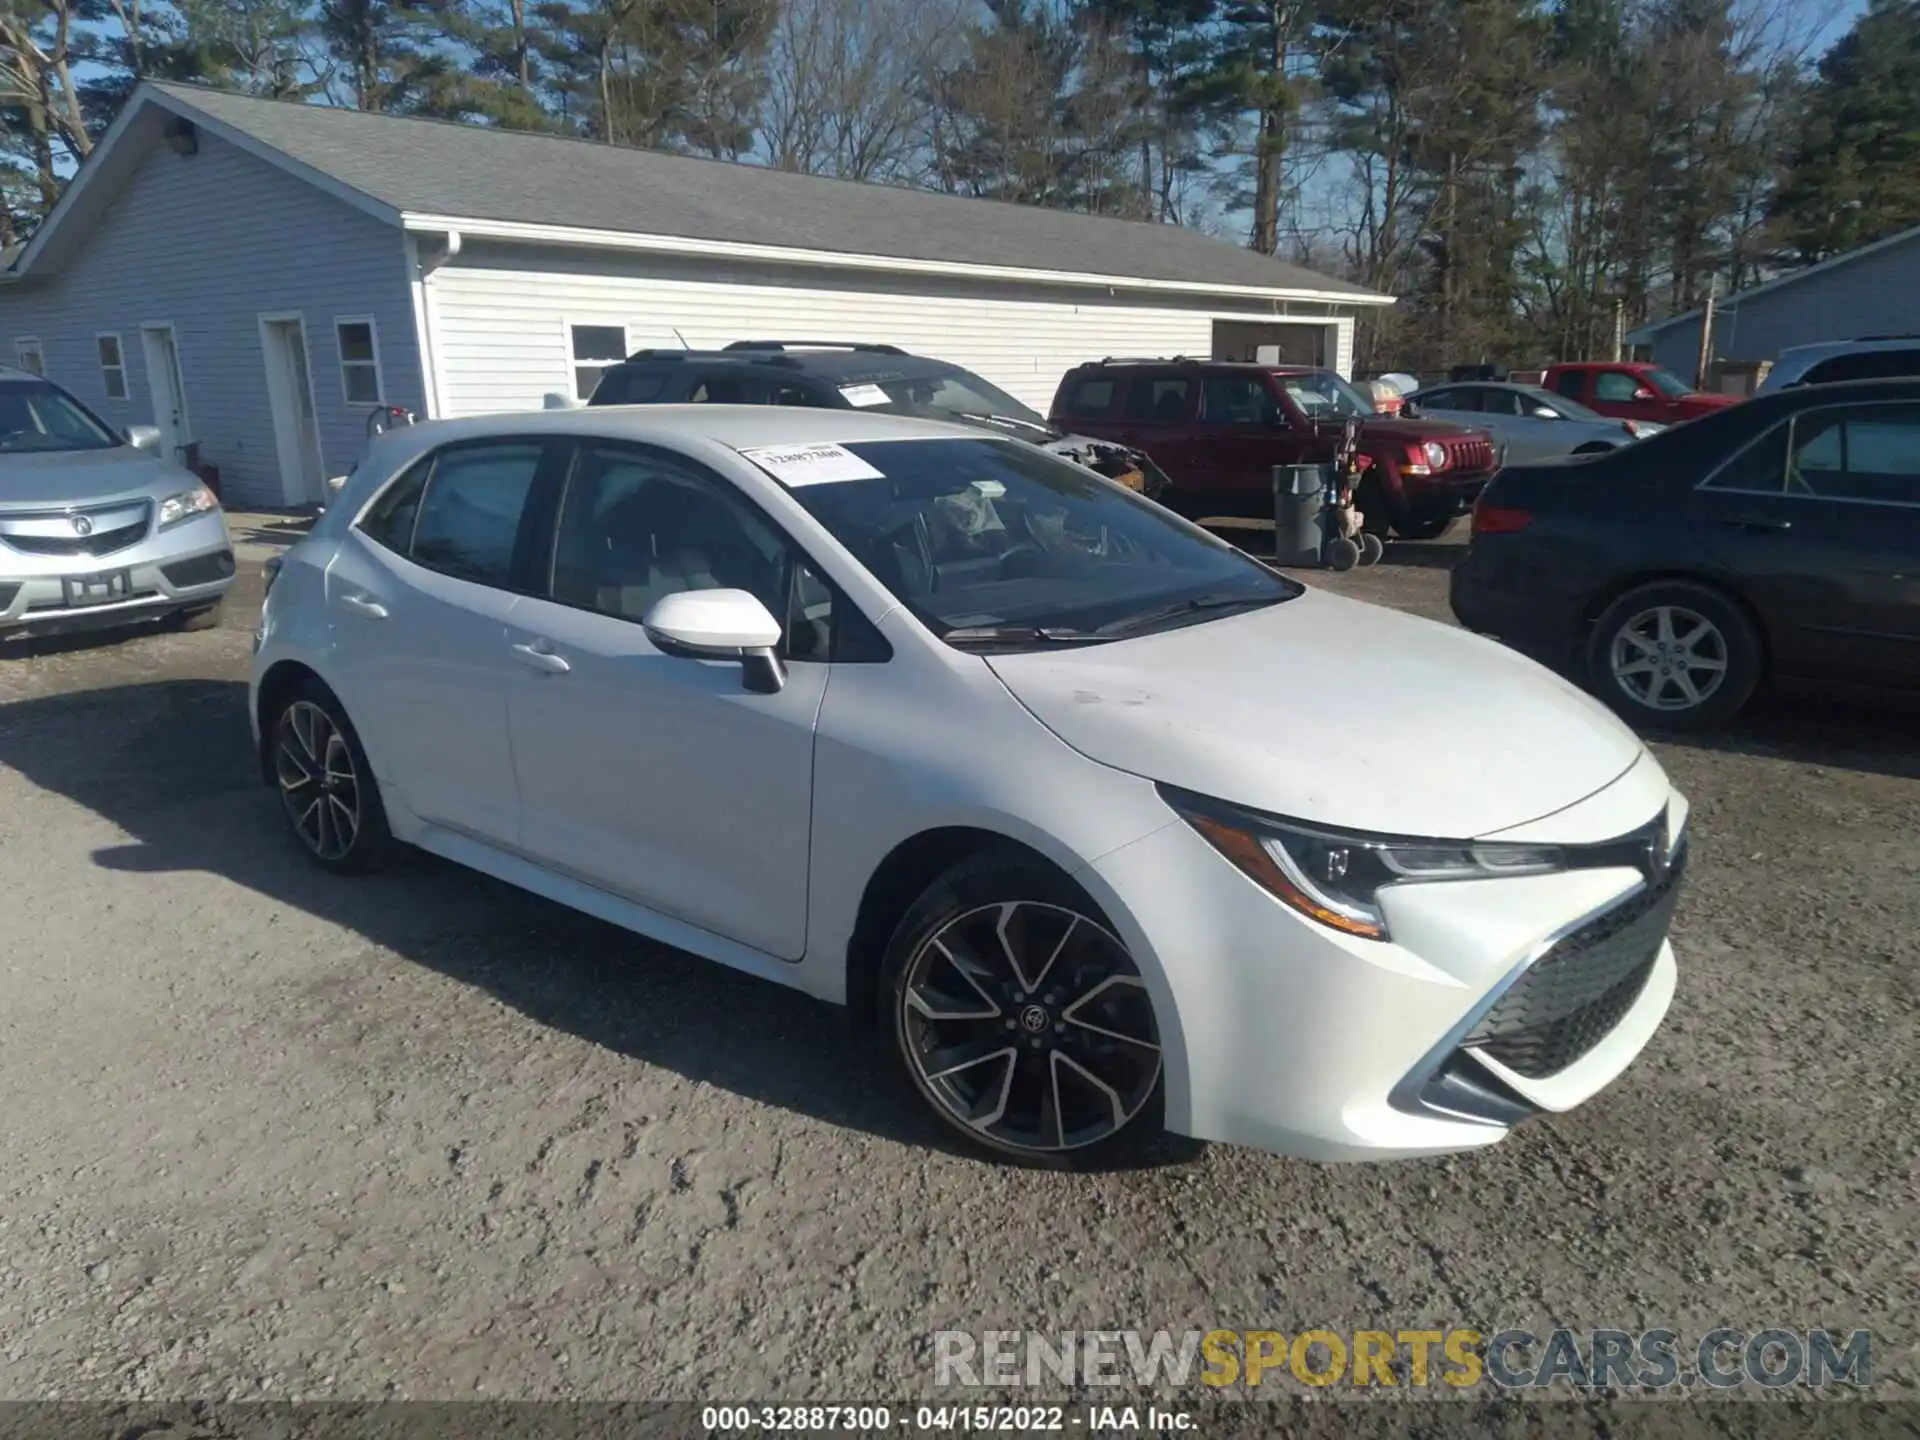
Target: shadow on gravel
x,y
1873,737
148,757
1423,554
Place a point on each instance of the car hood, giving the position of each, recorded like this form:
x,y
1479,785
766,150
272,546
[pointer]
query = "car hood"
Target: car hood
x,y
1420,430
81,477
1328,710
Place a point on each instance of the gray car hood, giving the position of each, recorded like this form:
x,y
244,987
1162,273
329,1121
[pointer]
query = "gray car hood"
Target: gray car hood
x,y
80,477
1325,709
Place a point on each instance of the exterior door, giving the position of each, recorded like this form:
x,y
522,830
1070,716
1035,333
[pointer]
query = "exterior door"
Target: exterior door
x,y
1157,417
1820,521
420,593
652,776
296,428
168,388
1626,396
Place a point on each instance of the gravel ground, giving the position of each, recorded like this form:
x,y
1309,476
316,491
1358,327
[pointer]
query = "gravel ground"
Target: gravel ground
x,y
266,1133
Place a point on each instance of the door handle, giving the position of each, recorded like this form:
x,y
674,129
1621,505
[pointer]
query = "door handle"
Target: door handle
x,y
1756,524
372,609
536,655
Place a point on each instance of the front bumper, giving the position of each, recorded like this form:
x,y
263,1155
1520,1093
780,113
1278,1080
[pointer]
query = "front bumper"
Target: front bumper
x,y
1291,1037
181,568
1443,497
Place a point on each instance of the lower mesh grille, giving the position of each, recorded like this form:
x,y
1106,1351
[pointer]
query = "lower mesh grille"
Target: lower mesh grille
x,y
201,570
7,592
1571,998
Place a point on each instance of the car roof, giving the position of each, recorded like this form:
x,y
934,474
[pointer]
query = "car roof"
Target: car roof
x,y
1820,349
1171,362
836,365
735,426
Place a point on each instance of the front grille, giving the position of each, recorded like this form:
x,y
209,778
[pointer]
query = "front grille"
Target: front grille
x,y
102,542
1570,999
1469,456
201,570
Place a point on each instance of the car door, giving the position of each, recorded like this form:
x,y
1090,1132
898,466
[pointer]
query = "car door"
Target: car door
x,y
1624,395
1239,435
1819,521
419,592
660,778
1157,417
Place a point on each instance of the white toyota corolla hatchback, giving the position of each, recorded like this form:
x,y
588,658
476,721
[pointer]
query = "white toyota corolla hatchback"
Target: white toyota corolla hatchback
x,y
1111,827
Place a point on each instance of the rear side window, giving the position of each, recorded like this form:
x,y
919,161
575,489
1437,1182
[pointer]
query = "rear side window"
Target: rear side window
x,y
1760,469
390,518
1866,365
1453,400
470,515
630,387
1090,397
1867,453
732,389
1571,383
1162,399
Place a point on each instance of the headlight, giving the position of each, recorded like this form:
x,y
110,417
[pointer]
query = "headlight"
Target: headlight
x,y
1436,454
1337,878
186,505
1641,429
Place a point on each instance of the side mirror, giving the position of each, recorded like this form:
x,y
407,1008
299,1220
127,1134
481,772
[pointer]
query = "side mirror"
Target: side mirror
x,y
1541,412
1643,393
144,437
720,625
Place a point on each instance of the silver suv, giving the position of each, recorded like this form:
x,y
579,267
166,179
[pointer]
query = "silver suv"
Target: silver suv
x,y
1874,357
94,530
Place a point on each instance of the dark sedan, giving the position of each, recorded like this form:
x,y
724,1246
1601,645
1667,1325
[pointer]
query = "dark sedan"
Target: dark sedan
x,y
1778,539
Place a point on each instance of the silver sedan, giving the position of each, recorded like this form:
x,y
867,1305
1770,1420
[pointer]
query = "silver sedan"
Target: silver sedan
x,y
94,531
1531,422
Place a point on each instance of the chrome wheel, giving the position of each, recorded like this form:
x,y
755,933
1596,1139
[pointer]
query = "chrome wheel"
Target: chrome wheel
x,y
1669,658
1028,1024
318,784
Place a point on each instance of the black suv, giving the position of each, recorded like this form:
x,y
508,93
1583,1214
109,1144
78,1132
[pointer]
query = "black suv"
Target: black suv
x,y
833,375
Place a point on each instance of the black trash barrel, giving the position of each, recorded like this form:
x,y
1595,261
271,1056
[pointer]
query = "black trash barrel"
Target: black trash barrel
x,y
1296,513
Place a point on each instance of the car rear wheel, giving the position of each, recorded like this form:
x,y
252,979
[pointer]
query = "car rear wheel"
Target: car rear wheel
x,y
1676,655
1424,529
327,789
1020,1018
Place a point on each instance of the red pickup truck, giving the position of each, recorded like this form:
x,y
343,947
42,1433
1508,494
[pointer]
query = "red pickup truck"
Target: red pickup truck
x,y
1631,390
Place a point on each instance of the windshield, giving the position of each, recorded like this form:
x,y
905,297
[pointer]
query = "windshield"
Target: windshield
x,y
1004,541
37,417
1666,382
1323,395
953,395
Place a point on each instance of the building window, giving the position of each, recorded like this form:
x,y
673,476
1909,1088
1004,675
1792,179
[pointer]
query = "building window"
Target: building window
x,y
360,379
32,357
594,348
113,366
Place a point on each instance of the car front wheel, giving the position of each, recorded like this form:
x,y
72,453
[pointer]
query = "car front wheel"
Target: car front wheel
x,y
1676,655
326,787
1021,1019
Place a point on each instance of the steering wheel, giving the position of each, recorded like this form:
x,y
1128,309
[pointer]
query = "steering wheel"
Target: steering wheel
x,y
1021,559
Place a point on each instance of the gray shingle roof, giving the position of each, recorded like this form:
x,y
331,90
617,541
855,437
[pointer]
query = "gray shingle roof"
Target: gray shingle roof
x,y
479,173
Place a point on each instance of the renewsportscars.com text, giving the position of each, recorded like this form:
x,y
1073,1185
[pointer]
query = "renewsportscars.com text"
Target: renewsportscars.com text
x,y
1458,1358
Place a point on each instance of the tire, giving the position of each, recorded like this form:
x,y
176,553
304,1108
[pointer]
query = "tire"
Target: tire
x,y
1342,554
206,617
1371,498
1424,529
1038,1107
321,813
1720,664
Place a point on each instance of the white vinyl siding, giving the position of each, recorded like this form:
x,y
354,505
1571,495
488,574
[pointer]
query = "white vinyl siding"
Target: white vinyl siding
x,y
209,242
113,365
506,327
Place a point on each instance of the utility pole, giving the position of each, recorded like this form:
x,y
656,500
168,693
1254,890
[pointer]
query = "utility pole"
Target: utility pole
x,y
1706,341
1619,329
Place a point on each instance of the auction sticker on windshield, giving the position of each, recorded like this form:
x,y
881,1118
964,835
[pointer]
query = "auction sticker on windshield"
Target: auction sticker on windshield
x,y
811,464
861,396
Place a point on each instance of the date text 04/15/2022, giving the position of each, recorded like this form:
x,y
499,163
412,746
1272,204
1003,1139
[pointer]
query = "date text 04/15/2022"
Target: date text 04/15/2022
x,y
944,1419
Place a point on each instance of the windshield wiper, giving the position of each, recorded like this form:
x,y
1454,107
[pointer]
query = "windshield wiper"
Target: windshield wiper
x,y
1021,635
1012,422
1180,609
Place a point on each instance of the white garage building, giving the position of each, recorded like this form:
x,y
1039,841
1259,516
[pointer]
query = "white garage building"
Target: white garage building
x,y
256,277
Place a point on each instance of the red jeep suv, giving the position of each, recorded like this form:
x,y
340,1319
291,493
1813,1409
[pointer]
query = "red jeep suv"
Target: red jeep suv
x,y
1218,427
